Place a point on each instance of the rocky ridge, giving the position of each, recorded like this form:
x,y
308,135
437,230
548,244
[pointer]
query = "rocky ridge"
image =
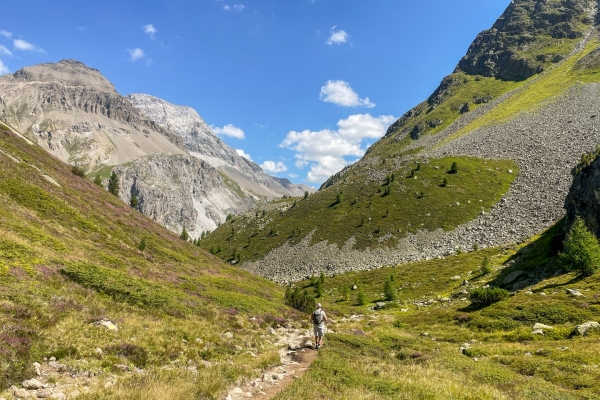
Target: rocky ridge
x,y
201,142
75,113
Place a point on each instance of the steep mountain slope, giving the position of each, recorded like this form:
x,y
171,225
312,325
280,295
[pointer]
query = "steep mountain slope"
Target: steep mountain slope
x,y
76,114
71,259
542,124
201,142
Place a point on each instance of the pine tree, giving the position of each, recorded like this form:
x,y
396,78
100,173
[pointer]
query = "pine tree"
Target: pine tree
x,y
306,195
134,201
453,168
113,184
184,235
98,181
388,290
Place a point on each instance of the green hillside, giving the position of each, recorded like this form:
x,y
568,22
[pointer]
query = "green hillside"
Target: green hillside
x,y
70,257
411,348
408,196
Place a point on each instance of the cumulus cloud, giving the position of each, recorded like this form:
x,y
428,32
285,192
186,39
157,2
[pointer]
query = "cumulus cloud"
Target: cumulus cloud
x,y
341,93
3,68
273,167
229,130
150,30
238,7
226,7
5,33
242,153
5,51
136,54
20,44
337,37
325,151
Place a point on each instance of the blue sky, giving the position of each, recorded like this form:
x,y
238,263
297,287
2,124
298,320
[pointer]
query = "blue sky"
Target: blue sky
x,y
301,86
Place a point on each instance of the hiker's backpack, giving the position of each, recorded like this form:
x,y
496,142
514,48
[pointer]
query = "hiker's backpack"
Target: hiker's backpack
x,y
317,317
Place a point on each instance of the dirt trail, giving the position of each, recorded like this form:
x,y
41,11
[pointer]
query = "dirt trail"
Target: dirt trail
x,y
295,361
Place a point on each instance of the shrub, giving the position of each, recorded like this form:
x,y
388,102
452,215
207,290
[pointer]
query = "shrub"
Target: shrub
x,y
318,289
77,170
361,299
487,296
299,299
345,293
98,181
582,251
444,183
134,201
322,277
136,354
306,195
453,168
388,290
142,244
485,266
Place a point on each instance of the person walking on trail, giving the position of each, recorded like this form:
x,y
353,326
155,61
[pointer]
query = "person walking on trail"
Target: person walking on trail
x,y
319,318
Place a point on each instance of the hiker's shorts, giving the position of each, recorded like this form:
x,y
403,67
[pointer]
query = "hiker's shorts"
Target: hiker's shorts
x,y
319,330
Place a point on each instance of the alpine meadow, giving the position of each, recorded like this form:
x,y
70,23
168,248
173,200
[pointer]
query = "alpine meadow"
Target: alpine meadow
x,y
455,250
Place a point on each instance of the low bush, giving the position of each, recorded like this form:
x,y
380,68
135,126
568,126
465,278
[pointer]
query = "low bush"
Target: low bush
x,y
487,296
301,300
77,170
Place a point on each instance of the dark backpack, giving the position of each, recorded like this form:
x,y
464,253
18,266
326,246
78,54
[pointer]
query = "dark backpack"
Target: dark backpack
x,y
317,317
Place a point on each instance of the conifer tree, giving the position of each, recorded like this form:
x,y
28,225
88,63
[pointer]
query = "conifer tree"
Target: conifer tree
x,y
184,235
98,181
113,184
134,201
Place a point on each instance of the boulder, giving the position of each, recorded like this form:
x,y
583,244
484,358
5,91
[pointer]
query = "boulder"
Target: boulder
x,y
584,328
510,278
541,326
32,384
574,292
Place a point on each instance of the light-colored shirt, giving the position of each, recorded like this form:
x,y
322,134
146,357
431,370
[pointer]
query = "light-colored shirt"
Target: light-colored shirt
x,y
323,315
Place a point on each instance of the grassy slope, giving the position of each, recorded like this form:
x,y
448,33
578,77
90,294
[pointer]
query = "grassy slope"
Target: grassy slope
x,y
366,213
69,256
414,354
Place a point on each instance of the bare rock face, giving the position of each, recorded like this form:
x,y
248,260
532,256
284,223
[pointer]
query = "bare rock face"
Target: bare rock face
x,y
200,141
76,114
583,199
181,191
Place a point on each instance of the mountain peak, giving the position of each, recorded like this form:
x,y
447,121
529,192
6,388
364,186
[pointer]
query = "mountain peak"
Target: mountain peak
x,y
67,72
523,41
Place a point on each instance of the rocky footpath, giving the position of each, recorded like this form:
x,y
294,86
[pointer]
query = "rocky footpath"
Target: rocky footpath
x,y
546,144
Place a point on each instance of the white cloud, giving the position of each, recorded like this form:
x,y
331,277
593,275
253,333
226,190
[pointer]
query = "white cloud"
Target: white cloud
x,y
229,130
5,33
273,167
242,153
136,54
150,30
148,62
226,7
341,93
238,7
3,68
326,150
337,37
20,44
5,51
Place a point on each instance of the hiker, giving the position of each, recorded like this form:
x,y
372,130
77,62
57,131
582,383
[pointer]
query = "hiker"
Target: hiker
x,y
319,318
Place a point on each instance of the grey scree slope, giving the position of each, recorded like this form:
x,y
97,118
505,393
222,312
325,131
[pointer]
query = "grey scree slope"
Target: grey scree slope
x,y
546,144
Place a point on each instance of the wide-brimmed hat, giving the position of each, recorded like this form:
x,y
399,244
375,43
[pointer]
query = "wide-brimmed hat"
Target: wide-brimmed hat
x,y
319,305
